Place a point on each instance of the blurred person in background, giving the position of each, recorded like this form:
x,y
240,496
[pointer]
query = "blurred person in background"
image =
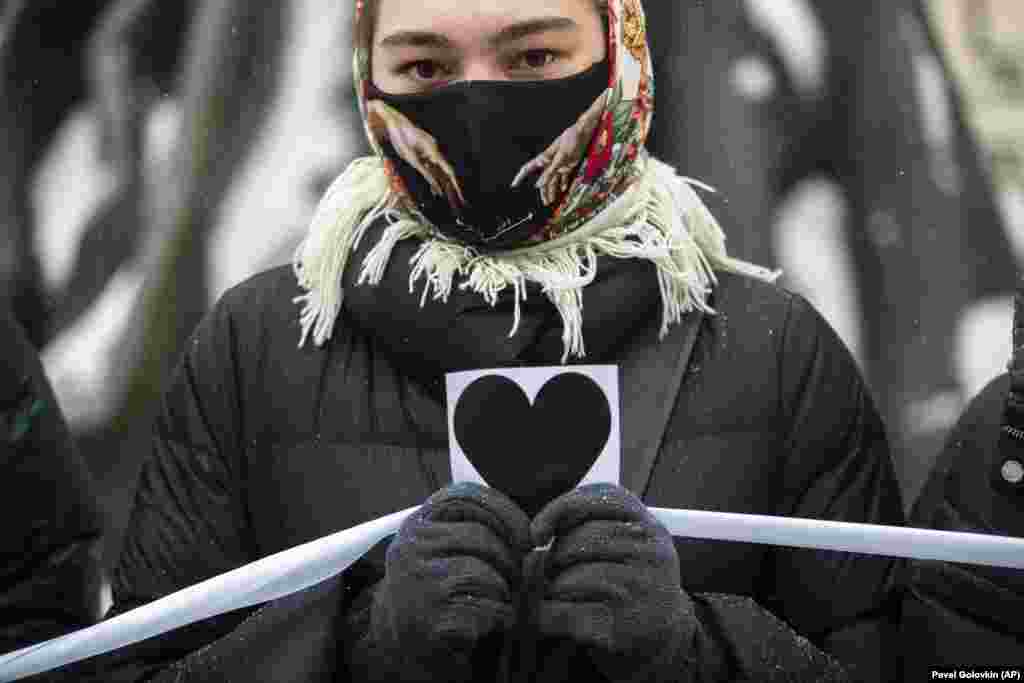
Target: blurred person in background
x,y
311,398
51,579
962,615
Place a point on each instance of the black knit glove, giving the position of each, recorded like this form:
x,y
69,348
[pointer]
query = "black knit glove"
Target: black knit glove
x,y
450,592
612,586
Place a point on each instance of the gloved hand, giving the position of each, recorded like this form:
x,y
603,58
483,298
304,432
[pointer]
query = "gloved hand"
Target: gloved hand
x,y
612,586
450,591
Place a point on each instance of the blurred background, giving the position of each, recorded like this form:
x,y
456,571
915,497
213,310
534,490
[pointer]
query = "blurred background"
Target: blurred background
x,y
156,152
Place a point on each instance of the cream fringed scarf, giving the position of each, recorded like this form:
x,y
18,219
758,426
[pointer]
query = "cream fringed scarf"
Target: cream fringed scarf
x,y
659,218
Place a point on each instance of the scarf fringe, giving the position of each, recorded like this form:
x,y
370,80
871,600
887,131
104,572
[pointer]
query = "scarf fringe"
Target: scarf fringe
x,y
660,218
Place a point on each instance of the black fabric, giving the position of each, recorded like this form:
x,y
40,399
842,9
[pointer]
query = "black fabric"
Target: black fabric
x,y
449,597
263,445
427,338
495,134
50,575
955,614
656,367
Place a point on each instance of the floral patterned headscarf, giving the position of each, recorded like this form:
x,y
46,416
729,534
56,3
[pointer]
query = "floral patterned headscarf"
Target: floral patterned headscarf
x,y
619,203
609,137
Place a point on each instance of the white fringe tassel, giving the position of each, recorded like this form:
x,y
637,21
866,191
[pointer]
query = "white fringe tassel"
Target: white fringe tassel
x,y
660,218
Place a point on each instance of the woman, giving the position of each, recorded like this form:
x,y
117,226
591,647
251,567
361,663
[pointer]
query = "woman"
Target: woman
x,y
510,175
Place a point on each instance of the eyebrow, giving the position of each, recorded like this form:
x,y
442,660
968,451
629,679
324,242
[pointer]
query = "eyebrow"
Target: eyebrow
x,y
508,34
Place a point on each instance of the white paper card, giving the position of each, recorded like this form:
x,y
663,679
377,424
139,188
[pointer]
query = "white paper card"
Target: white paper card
x,y
608,465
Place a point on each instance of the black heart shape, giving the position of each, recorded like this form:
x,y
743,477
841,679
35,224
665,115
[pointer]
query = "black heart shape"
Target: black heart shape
x,y
533,453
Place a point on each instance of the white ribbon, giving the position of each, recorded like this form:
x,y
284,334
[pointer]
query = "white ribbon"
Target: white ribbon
x,y
270,578
306,565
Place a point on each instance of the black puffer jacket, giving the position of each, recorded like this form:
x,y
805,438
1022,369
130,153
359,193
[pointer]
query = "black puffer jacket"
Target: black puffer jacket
x,y
963,615
263,446
51,529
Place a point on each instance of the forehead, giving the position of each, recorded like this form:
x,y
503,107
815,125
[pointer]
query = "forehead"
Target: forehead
x,y
473,17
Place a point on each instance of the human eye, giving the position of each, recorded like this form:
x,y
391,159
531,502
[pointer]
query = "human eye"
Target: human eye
x,y
424,71
535,60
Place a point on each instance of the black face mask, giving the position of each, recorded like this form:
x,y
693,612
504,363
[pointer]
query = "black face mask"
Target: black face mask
x,y
488,130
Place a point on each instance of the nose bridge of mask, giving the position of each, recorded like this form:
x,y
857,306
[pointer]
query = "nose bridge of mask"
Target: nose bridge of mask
x,y
507,124
481,116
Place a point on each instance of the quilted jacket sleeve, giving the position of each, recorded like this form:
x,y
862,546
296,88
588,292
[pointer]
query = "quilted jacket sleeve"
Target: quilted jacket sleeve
x,y
187,523
817,615
957,614
838,467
